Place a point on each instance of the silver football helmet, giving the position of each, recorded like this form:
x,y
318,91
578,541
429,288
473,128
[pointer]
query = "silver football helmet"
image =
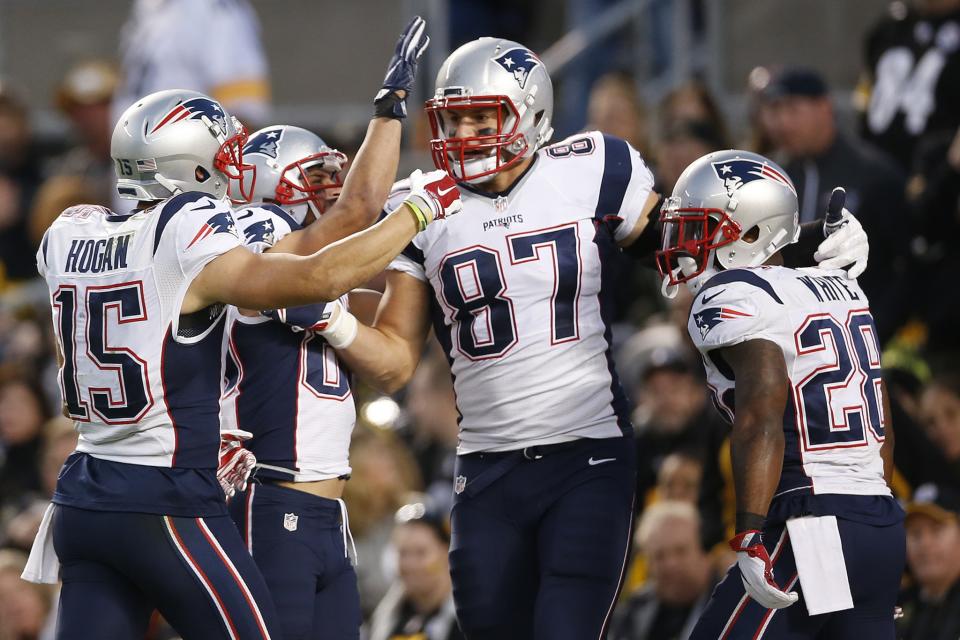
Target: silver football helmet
x,y
729,209
490,73
281,156
174,141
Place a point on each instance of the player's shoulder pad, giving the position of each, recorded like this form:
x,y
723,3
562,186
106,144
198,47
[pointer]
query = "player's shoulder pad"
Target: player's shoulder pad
x,y
190,201
755,281
733,306
264,224
579,146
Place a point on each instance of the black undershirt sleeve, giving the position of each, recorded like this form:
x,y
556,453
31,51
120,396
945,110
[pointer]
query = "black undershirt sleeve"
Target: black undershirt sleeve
x,y
800,253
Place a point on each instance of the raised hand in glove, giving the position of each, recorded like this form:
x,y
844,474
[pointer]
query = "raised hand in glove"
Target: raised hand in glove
x,y
756,571
401,71
846,246
235,463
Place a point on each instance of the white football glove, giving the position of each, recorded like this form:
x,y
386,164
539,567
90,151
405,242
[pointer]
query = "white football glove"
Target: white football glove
x,y
235,463
339,327
756,571
433,196
846,245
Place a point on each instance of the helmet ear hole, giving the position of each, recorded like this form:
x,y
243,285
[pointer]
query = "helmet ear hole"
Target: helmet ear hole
x,y
537,117
751,235
201,174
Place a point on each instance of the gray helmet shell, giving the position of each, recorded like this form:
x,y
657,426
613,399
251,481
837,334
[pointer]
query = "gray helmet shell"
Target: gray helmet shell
x,y
752,191
494,68
169,142
280,154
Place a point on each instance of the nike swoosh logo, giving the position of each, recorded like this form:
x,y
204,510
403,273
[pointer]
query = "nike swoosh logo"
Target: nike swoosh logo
x,y
445,192
707,299
210,205
593,462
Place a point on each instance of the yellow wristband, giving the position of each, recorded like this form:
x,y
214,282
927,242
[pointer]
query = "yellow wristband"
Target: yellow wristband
x,y
418,214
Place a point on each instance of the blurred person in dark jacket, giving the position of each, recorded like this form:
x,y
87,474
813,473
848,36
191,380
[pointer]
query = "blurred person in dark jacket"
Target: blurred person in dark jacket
x,y
818,156
19,178
681,577
23,410
84,174
931,607
911,84
672,416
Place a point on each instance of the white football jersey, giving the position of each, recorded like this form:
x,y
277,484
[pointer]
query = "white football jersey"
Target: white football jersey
x,y
140,381
210,46
283,382
833,423
522,295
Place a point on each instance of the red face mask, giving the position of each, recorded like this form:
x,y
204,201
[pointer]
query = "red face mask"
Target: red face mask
x,y
229,160
452,154
692,233
290,193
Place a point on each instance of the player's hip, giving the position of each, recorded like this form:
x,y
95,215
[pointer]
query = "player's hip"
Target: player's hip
x,y
538,471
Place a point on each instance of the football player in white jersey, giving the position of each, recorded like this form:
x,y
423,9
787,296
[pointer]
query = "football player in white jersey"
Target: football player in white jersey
x,y
139,520
793,362
519,294
286,387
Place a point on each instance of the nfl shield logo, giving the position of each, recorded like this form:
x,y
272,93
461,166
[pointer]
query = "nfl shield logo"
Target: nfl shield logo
x,y
290,521
459,484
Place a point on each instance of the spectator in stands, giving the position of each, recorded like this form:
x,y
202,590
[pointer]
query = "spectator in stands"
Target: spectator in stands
x,y
419,605
911,86
681,144
819,157
208,46
693,102
23,410
940,411
59,441
931,607
19,178
672,416
934,193
24,606
680,572
680,477
434,430
615,108
384,473
84,174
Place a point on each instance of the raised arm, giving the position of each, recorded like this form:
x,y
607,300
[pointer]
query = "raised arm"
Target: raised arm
x,y
375,166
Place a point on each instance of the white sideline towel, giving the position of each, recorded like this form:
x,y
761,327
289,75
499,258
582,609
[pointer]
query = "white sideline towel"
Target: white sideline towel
x,y
43,565
823,572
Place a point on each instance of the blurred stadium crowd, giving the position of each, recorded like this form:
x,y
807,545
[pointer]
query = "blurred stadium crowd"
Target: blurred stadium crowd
x,y
900,166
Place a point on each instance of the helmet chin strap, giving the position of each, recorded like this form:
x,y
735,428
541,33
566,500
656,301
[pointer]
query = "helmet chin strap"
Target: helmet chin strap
x,y
479,165
687,266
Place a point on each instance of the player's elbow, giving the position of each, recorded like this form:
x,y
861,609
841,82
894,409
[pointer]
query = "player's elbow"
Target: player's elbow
x,y
357,211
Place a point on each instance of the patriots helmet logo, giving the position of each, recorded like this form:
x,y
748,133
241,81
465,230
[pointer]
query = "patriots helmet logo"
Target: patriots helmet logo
x,y
195,109
736,173
219,223
265,142
520,62
262,231
707,319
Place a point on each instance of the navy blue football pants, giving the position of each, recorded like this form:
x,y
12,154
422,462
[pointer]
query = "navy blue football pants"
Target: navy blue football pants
x,y
118,567
874,557
539,544
297,541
